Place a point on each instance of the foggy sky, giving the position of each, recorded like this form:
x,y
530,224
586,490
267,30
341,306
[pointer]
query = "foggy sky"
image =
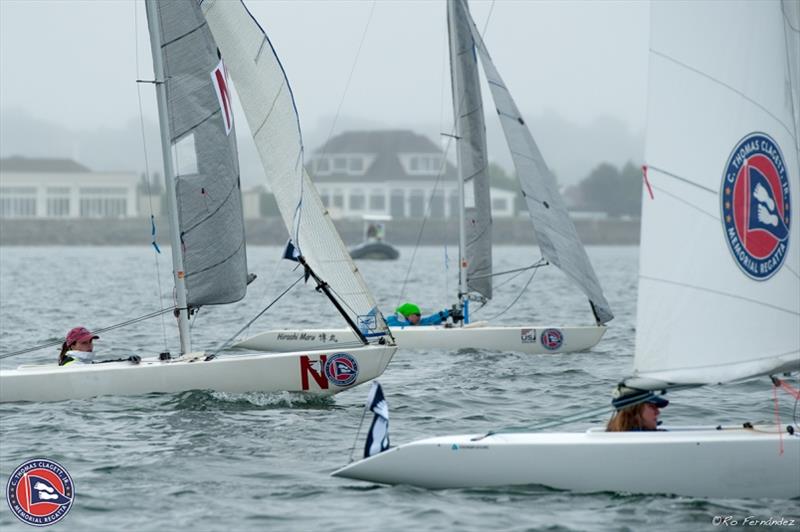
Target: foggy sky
x,y
74,62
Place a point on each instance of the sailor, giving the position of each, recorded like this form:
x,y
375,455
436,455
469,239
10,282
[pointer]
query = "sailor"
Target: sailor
x,y
78,347
635,410
408,314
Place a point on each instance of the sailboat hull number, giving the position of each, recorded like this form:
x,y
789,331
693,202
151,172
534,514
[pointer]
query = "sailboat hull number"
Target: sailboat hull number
x,y
756,213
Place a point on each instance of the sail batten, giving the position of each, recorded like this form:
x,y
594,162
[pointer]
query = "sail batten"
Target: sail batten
x,y
269,106
719,294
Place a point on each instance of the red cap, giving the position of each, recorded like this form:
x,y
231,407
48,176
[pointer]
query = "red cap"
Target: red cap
x,y
79,334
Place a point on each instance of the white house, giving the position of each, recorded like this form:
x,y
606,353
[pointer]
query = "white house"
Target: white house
x,y
395,173
62,188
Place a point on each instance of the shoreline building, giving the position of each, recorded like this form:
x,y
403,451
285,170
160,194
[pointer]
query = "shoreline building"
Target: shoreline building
x,y
63,188
394,173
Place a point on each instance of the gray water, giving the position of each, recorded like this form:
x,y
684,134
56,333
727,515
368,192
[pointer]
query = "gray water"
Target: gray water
x,y
222,462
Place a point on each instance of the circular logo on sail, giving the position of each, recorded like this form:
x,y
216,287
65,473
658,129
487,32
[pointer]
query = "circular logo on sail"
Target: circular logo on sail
x,y
552,339
756,211
40,492
341,369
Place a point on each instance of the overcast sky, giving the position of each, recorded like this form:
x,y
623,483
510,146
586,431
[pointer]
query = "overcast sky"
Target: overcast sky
x,y
75,62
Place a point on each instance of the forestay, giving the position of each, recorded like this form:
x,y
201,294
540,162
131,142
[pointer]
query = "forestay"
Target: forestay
x,y
555,233
472,152
203,143
719,290
269,106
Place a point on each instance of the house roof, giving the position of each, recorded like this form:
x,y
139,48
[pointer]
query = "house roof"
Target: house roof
x,y
380,142
385,146
25,164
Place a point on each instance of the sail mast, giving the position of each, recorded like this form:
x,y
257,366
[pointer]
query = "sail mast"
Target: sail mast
x,y
169,177
462,236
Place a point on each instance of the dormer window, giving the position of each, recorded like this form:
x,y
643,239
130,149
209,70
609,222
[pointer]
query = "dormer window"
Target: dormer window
x,y
346,164
422,163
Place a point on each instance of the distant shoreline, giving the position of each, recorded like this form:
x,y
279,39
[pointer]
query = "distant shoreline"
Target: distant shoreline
x,y
271,231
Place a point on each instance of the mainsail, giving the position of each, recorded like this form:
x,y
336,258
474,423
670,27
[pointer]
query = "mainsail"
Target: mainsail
x,y
472,154
270,109
719,282
555,233
203,142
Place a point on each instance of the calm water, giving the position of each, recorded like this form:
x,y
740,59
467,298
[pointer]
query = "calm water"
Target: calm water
x,y
208,461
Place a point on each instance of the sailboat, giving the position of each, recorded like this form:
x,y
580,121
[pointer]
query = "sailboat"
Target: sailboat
x,y
555,232
207,229
719,290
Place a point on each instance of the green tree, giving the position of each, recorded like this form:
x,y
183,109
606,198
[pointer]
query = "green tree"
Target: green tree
x,y
607,189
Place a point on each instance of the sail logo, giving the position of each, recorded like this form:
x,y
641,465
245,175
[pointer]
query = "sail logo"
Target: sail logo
x,y
552,339
40,492
341,369
756,206
219,78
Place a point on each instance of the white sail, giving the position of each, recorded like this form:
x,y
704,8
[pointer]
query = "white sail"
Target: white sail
x,y
555,233
269,106
719,285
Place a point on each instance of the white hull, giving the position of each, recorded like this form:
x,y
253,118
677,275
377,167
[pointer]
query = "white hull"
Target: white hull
x,y
700,462
523,339
293,372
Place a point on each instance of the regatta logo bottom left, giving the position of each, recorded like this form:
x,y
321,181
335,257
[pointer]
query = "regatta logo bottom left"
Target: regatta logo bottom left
x,y
40,492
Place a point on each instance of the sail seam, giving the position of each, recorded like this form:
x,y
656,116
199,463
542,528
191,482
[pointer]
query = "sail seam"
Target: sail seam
x,y
723,84
721,293
177,136
178,38
214,212
269,113
223,261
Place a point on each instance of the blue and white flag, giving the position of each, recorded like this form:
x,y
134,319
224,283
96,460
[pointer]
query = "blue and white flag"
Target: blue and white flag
x,y
42,490
291,252
378,435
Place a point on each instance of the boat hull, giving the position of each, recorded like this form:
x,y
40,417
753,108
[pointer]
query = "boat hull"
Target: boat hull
x,y
523,339
374,251
702,462
319,372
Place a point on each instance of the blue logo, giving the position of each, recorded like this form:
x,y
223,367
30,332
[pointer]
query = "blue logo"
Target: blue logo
x,y
756,206
40,492
341,369
552,339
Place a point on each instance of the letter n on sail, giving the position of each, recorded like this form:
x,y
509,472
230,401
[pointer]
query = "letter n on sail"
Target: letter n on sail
x,y
220,78
308,367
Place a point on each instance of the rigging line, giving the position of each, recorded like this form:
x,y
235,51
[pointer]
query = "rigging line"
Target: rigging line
x,y
443,168
326,146
723,84
547,424
682,179
521,293
157,264
537,264
721,293
439,176
101,330
229,341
